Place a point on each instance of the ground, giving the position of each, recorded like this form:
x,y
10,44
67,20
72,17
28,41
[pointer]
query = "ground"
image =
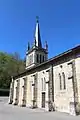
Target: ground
x,y
10,112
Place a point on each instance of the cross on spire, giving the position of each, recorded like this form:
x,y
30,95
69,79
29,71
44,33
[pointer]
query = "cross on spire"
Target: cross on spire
x,y
37,19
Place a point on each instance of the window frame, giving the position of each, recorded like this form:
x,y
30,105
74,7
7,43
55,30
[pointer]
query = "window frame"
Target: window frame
x,y
64,81
60,82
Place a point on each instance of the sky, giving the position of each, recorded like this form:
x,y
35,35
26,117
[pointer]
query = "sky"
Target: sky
x,y
59,24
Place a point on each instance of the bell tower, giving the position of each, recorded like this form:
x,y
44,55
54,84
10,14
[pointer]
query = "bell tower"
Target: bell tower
x,y
36,54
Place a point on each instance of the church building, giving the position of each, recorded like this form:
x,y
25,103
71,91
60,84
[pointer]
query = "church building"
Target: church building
x,y
48,84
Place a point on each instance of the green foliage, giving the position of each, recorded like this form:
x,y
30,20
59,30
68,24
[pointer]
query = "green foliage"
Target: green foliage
x,y
10,65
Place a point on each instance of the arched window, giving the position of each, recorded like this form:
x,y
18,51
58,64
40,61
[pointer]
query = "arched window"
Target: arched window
x,y
60,82
64,82
37,58
43,80
43,58
44,83
40,58
31,59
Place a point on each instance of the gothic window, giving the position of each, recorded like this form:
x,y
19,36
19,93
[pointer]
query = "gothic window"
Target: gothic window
x,y
31,59
42,83
25,82
37,58
40,58
43,58
70,74
43,80
64,82
60,82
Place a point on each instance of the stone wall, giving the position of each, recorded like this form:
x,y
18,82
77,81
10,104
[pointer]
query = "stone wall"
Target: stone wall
x,y
63,97
77,64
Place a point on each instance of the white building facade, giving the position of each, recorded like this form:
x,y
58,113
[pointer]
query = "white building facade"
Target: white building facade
x,y
49,84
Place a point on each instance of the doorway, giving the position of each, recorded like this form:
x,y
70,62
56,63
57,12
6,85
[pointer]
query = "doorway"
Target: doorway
x,y
43,99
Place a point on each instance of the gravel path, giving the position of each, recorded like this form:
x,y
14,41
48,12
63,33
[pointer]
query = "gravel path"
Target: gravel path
x,y
10,112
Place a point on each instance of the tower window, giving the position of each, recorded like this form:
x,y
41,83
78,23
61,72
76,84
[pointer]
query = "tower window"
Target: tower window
x,y
37,58
40,58
31,59
43,58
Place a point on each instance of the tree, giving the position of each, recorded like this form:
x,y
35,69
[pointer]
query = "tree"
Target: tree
x,y
10,65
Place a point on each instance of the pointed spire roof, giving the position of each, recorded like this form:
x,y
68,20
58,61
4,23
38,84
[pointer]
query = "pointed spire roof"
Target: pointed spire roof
x,y
37,40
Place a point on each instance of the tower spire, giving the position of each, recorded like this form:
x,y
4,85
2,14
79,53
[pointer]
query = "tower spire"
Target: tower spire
x,y
37,34
36,54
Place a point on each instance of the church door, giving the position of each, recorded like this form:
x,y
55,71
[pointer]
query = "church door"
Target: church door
x,y
43,99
